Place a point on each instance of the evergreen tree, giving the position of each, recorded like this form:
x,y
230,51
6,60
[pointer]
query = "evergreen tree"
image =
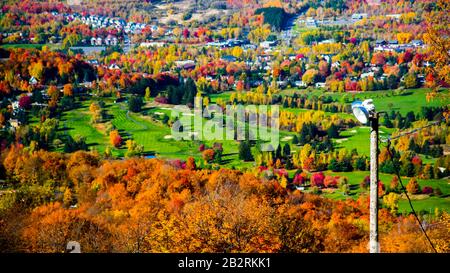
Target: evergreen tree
x,y
245,152
387,122
286,150
135,104
333,131
278,152
190,91
407,169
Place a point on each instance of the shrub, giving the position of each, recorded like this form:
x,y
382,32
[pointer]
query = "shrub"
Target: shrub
x,y
208,155
316,190
365,183
300,179
437,191
317,180
161,99
201,148
427,190
394,184
330,181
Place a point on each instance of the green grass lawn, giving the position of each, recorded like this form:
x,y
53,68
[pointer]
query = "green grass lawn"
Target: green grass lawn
x,y
26,46
30,46
78,122
153,135
301,110
411,100
408,100
225,96
427,204
358,138
230,158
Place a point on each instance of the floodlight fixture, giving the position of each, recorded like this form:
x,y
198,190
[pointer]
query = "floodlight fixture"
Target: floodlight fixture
x,y
363,111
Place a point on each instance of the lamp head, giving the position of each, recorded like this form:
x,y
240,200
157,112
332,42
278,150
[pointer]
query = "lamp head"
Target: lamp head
x,y
363,111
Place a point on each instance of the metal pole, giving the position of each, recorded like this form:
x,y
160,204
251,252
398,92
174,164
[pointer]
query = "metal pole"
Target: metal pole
x,y
374,245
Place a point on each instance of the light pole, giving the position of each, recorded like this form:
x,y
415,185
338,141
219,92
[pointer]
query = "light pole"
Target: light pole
x,y
365,113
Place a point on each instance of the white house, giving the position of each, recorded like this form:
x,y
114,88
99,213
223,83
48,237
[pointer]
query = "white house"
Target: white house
x,y
151,44
282,84
267,44
359,16
328,41
114,66
300,84
111,40
336,64
14,123
33,81
320,85
365,75
186,64
310,22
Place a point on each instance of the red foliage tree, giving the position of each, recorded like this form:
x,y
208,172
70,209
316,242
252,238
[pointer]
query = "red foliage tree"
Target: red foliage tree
x,y
317,180
25,102
330,181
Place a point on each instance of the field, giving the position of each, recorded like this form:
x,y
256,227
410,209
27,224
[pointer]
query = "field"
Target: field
x,y
29,46
358,138
152,134
79,123
157,140
405,101
356,177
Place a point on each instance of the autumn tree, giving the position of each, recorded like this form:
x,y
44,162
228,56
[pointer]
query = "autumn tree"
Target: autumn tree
x,y
437,37
190,163
68,90
394,186
208,155
411,80
133,148
309,77
391,201
115,138
413,186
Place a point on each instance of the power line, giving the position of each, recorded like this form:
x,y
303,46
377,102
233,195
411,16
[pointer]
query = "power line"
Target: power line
x,y
409,200
388,139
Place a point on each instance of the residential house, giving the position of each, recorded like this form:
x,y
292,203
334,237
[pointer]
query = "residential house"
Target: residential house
x,y
416,43
300,84
114,67
33,81
268,44
327,41
310,22
228,58
359,16
186,64
320,85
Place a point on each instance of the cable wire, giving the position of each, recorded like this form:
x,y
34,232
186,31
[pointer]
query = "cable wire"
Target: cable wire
x,y
409,200
388,139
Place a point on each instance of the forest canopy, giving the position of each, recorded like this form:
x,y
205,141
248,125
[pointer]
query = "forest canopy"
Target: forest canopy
x,y
276,17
